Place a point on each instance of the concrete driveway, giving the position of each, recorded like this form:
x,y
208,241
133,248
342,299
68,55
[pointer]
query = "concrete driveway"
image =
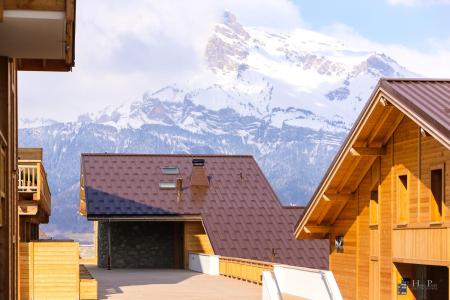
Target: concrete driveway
x,y
170,284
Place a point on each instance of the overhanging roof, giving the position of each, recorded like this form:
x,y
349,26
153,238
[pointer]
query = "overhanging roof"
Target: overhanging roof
x,y
40,34
425,101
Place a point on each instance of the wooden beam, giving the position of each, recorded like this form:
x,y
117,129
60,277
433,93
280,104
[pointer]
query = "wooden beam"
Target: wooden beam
x,y
316,229
380,124
340,206
392,128
324,212
70,19
384,102
368,151
330,199
56,65
349,173
28,208
364,169
51,5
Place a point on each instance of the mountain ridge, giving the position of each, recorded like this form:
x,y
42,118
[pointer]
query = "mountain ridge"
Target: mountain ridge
x,y
288,99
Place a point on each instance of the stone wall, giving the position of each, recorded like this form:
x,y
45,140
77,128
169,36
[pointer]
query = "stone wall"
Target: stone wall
x,y
137,244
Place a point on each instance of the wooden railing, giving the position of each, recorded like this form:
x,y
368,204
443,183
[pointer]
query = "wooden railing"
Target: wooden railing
x,y
244,269
33,179
28,178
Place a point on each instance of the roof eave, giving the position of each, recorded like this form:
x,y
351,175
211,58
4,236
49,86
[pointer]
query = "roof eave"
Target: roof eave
x,y
436,130
337,160
59,58
155,218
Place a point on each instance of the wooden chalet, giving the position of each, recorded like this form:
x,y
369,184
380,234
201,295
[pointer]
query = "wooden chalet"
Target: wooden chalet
x,y
152,210
384,203
35,35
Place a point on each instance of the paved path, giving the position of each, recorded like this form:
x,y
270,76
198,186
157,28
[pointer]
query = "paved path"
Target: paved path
x,y
170,284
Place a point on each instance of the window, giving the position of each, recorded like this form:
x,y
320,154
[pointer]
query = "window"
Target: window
x,y
402,198
170,170
437,191
167,185
374,206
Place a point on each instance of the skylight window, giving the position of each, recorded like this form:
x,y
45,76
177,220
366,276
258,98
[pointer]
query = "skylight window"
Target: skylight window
x,y
170,170
167,185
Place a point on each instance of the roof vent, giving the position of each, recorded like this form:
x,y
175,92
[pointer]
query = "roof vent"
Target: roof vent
x,y
198,176
198,162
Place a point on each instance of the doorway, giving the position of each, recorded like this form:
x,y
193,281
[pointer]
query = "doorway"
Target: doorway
x,y
421,282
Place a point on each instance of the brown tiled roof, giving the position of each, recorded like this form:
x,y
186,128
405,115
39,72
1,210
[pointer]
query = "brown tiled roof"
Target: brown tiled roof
x,y
240,211
427,101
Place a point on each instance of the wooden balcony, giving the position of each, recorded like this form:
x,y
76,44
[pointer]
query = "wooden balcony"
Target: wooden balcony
x,y
34,193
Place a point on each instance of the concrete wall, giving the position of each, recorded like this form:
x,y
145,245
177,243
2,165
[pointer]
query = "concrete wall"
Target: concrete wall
x,y
270,290
306,283
204,263
137,244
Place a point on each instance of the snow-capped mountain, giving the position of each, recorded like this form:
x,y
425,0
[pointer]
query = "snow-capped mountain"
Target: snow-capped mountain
x,y
288,98
35,122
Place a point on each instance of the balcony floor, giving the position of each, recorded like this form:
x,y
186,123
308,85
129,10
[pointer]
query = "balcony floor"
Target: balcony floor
x,y
170,284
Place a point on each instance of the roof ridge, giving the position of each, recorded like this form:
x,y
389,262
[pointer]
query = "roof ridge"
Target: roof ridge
x,y
418,79
166,155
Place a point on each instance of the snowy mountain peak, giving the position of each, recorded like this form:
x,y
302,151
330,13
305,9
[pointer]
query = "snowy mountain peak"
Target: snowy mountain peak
x,y
267,75
227,47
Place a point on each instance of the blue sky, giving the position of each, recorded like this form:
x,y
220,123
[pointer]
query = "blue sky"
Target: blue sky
x,y
126,48
407,22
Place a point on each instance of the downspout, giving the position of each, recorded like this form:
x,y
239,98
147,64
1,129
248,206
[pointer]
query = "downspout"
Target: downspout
x,y
108,259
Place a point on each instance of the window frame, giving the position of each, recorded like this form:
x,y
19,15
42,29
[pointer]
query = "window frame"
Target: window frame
x,y
434,167
165,170
374,203
399,220
167,185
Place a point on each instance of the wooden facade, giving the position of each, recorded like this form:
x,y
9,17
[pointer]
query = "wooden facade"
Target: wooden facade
x,y
195,240
52,270
385,208
8,179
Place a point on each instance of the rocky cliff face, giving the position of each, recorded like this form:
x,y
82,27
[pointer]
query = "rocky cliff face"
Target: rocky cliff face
x,y
288,98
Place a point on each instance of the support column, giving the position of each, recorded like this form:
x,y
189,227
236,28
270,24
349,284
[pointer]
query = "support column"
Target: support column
x,y
108,261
